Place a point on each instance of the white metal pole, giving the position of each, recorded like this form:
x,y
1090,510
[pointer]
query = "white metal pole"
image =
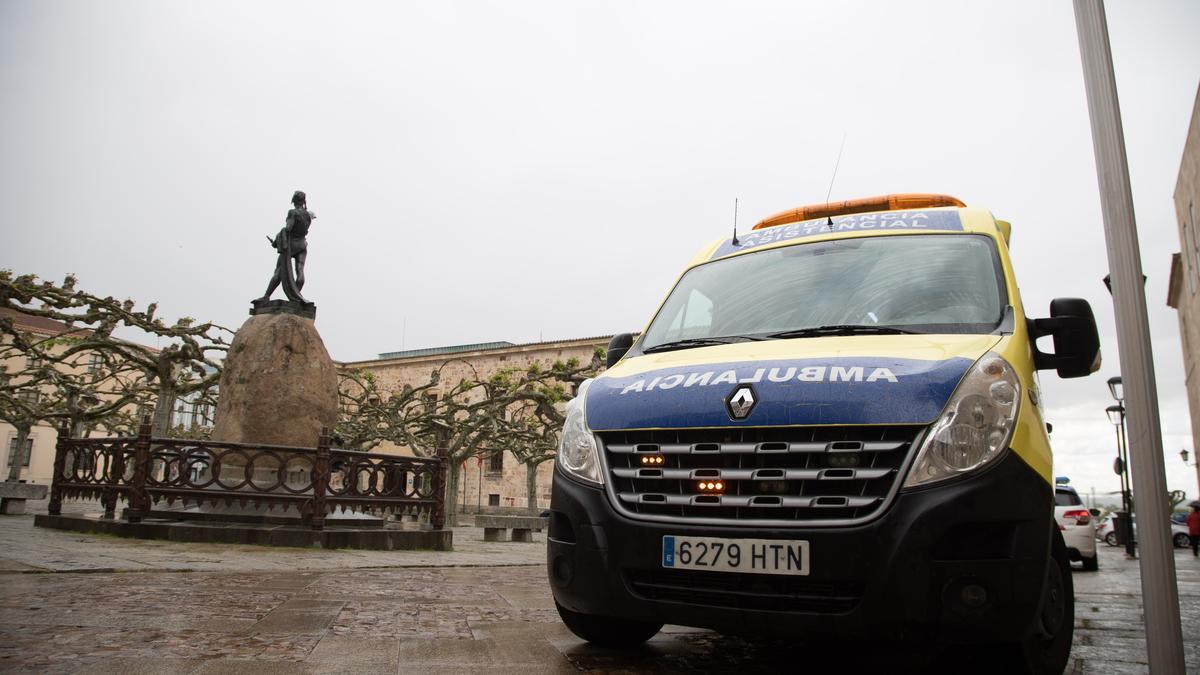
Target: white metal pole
x,y
1164,639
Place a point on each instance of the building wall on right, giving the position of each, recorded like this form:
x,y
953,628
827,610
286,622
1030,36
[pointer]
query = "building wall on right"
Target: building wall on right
x,y
1184,291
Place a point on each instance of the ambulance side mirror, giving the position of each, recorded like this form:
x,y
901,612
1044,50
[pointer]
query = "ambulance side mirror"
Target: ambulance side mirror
x,y
1076,340
617,347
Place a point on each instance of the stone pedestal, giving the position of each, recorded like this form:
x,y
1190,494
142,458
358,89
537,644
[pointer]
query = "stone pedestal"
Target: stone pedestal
x,y
278,385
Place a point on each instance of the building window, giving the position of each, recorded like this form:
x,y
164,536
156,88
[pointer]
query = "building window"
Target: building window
x,y
25,454
1194,278
496,463
95,360
33,361
192,413
29,396
493,500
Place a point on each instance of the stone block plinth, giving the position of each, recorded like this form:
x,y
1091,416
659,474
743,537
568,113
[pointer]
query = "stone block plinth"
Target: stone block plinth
x,y
13,495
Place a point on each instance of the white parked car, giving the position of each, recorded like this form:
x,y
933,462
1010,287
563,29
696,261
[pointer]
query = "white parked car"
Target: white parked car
x,y
1179,534
1078,526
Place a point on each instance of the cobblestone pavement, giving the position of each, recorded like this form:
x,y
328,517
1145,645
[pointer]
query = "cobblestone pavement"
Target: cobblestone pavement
x,y
309,611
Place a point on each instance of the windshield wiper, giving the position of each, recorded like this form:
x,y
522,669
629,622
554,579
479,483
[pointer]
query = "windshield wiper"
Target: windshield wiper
x,y
841,329
697,342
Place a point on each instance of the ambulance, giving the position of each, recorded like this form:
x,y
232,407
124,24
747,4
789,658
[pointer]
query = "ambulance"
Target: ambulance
x,y
831,429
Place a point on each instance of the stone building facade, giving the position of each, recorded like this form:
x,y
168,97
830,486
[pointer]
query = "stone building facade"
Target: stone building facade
x,y
1184,290
37,457
488,484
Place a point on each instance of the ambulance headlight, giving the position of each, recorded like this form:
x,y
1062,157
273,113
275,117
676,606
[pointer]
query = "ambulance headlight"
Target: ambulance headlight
x,y
578,455
974,427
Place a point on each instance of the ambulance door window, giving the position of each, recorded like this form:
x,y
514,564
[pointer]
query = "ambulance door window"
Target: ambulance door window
x,y
694,318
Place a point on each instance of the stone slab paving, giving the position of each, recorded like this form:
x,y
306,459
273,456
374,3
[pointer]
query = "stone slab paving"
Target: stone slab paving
x,y
264,611
24,548
1109,633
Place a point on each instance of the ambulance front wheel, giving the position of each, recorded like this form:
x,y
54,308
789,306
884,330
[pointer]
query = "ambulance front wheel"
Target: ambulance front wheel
x,y
1047,648
606,631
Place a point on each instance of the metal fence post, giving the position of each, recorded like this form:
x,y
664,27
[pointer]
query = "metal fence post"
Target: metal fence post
x,y
60,464
139,499
316,516
117,470
114,469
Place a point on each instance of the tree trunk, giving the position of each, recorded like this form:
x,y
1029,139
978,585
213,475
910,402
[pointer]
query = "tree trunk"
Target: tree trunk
x,y
452,492
531,469
18,454
163,408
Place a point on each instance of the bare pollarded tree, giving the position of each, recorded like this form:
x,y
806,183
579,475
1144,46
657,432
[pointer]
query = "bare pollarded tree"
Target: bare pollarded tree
x,y
536,420
188,363
514,409
43,380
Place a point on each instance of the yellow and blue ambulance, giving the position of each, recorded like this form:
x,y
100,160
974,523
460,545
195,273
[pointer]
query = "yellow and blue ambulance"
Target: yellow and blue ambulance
x,y
832,427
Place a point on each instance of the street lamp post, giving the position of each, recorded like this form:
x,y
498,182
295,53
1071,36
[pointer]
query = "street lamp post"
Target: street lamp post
x,y
1116,415
1116,388
1184,454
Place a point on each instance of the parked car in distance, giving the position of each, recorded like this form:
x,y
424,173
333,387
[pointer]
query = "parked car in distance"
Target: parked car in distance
x,y
1078,526
1179,534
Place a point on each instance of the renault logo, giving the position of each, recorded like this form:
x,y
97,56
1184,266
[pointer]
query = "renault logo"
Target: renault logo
x,y
740,402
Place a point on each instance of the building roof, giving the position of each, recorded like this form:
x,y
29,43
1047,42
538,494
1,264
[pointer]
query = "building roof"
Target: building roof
x,y
38,324
452,349
476,347
43,326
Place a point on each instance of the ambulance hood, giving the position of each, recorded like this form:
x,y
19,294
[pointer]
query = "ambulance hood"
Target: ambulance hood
x,y
866,379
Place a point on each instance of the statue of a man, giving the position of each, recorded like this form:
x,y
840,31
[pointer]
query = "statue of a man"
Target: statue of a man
x,y
292,245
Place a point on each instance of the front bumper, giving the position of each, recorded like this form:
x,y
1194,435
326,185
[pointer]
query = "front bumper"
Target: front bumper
x,y
899,577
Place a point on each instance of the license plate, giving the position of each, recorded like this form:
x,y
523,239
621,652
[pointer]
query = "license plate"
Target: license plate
x,y
748,556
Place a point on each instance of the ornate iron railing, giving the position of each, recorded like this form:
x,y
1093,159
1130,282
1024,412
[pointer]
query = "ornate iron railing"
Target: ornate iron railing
x,y
145,470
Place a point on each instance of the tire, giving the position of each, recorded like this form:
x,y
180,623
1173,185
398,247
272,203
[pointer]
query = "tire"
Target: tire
x,y
605,631
1182,540
1091,564
1047,648
1111,538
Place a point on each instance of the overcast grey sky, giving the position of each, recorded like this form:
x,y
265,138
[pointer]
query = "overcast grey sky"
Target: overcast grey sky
x,y
515,171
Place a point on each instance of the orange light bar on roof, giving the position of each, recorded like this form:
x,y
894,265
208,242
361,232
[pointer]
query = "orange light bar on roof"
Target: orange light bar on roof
x,y
907,200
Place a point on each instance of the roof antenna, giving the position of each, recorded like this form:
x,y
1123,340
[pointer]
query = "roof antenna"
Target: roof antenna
x,y
836,164
735,210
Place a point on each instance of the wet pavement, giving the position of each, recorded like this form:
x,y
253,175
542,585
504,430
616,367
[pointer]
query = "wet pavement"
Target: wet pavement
x,y
24,548
204,608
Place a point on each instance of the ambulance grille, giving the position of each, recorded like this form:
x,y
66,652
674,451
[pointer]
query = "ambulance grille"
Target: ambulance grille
x,y
780,476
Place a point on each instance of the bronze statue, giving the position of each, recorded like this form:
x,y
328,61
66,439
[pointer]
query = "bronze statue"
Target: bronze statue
x,y
292,245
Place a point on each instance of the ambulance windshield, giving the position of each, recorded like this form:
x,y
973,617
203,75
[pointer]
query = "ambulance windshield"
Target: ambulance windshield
x,y
890,284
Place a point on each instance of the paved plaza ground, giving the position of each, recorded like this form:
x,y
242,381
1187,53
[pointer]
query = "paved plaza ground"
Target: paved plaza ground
x,y
72,603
